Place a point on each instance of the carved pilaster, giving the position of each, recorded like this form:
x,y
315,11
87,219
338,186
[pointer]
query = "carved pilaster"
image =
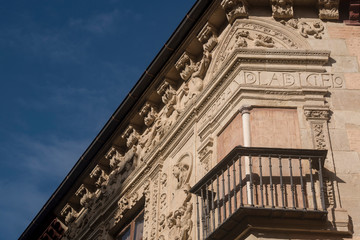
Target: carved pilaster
x,y
318,118
205,153
328,9
235,9
282,9
208,37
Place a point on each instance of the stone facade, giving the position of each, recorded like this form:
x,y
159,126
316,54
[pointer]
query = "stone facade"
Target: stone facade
x,y
298,72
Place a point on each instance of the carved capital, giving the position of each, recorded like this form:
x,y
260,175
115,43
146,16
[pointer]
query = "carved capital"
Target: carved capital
x,y
245,109
235,9
328,9
208,37
317,114
282,9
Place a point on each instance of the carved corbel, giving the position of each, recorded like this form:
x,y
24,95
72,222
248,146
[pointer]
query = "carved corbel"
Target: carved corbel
x,y
328,9
85,196
235,9
205,153
69,214
131,135
185,65
208,37
282,9
114,157
100,176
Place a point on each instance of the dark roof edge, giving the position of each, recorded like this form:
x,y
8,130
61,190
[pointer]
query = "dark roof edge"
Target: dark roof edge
x,y
124,108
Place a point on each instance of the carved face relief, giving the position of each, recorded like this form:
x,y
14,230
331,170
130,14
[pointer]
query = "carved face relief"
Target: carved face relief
x,y
182,170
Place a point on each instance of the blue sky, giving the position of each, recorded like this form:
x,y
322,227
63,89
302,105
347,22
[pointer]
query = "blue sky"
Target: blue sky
x,y
65,66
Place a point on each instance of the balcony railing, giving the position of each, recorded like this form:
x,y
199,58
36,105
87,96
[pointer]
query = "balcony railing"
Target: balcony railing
x,y
274,182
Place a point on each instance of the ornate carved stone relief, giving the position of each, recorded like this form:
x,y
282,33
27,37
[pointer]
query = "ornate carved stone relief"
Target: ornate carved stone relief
x,y
282,9
154,131
205,153
124,204
86,197
100,177
306,29
179,222
317,114
182,170
253,33
318,119
208,37
328,9
69,214
235,9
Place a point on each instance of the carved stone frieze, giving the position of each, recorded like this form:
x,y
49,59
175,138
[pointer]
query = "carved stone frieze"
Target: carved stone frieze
x,y
69,214
208,37
235,9
319,136
205,153
328,9
86,197
282,9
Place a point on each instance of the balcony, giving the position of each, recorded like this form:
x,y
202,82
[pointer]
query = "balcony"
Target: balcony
x,y
270,183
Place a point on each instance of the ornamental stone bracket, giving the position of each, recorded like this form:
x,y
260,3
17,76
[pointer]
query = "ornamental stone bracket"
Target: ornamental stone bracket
x,y
282,9
206,152
235,9
328,9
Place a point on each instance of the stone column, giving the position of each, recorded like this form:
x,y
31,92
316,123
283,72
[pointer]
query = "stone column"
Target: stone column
x,y
245,114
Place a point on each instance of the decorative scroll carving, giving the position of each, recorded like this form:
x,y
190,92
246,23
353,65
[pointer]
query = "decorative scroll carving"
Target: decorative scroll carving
x,y
235,9
319,136
306,29
69,214
205,153
124,204
86,197
328,9
329,193
282,9
147,196
182,170
100,176
154,205
163,201
179,221
208,37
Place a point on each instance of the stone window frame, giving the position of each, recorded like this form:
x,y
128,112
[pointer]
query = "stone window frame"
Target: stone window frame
x,y
132,224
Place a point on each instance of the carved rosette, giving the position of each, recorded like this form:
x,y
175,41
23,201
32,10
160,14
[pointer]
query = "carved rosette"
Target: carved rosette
x,y
235,9
208,37
205,153
282,9
328,9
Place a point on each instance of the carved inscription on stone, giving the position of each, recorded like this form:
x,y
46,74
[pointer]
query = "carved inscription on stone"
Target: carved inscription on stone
x,y
290,79
328,9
